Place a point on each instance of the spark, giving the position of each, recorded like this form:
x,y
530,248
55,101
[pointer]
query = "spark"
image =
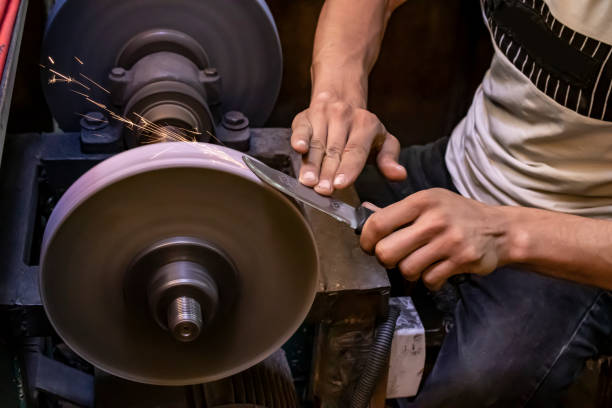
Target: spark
x,y
78,60
98,104
68,79
151,132
92,118
51,60
163,133
94,82
80,93
161,152
59,74
42,66
216,138
195,131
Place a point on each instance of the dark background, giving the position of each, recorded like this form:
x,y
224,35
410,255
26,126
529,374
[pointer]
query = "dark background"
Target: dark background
x,y
432,59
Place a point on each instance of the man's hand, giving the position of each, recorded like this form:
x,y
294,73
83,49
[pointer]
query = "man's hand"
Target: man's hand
x,y
435,234
336,140
336,134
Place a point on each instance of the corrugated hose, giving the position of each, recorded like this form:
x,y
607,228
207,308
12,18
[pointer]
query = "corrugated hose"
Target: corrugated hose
x,y
377,360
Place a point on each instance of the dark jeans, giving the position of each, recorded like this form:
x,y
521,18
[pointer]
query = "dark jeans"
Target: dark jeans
x,y
519,338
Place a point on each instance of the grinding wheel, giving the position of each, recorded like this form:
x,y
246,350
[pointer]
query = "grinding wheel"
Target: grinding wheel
x,y
238,37
264,261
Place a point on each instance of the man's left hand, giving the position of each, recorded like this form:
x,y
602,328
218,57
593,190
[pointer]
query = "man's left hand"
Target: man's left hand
x,y
435,234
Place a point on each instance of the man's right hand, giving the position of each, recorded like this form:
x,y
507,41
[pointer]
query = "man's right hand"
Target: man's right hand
x,y
336,139
336,134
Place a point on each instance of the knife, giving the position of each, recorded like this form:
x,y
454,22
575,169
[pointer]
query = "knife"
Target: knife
x,y
354,217
341,211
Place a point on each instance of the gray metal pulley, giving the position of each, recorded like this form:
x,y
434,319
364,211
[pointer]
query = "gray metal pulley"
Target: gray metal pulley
x,y
172,264
237,38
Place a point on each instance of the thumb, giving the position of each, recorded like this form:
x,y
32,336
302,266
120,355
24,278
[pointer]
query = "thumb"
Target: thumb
x,y
386,159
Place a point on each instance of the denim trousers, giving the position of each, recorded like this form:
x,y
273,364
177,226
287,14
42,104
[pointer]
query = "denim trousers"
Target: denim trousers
x,y
519,338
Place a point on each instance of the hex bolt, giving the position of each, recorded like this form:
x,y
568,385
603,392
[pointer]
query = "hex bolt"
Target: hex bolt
x,y
118,72
210,71
234,118
185,318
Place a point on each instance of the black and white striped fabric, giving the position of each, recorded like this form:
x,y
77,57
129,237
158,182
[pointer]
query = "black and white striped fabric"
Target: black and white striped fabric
x,y
571,68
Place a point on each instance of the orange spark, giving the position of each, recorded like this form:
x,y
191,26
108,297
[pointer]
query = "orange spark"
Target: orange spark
x,y
68,79
92,118
98,104
51,60
94,82
80,93
78,60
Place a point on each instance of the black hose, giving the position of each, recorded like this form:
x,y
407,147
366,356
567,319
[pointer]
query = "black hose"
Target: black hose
x,y
377,360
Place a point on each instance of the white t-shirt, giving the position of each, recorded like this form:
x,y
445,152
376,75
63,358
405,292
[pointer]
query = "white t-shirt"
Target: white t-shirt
x,y
539,131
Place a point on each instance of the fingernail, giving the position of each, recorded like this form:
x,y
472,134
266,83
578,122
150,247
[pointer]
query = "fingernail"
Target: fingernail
x,y
399,167
339,180
324,185
308,177
301,144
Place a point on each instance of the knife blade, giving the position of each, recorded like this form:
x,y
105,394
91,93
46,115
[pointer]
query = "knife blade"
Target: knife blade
x,y
341,211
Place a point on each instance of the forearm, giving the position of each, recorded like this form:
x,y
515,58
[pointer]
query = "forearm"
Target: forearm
x,y
559,245
346,46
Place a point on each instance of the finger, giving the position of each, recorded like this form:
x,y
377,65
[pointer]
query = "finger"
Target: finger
x,y
387,157
301,133
414,265
336,139
370,206
404,242
311,161
389,219
355,154
435,276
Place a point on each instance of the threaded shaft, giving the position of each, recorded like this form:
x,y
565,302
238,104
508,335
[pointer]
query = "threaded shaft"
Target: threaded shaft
x,y
185,318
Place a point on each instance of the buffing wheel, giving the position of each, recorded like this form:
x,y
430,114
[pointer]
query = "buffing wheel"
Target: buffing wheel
x,y
239,38
120,216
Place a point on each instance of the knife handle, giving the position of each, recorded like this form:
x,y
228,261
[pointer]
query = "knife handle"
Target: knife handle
x,y
362,216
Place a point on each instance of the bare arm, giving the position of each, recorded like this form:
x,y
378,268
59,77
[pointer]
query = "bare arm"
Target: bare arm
x,y
336,132
560,245
434,234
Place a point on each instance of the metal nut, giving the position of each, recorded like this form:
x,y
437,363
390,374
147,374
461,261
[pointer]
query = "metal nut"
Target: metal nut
x,y
118,72
210,71
234,118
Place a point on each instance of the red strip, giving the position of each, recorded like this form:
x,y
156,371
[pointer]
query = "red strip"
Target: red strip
x,y
3,4
6,29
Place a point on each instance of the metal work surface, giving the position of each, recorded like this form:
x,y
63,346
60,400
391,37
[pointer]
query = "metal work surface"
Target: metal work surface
x,y
146,195
344,266
239,40
37,168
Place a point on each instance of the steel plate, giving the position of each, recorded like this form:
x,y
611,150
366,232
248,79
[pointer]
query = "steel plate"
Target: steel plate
x,y
239,38
151,193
